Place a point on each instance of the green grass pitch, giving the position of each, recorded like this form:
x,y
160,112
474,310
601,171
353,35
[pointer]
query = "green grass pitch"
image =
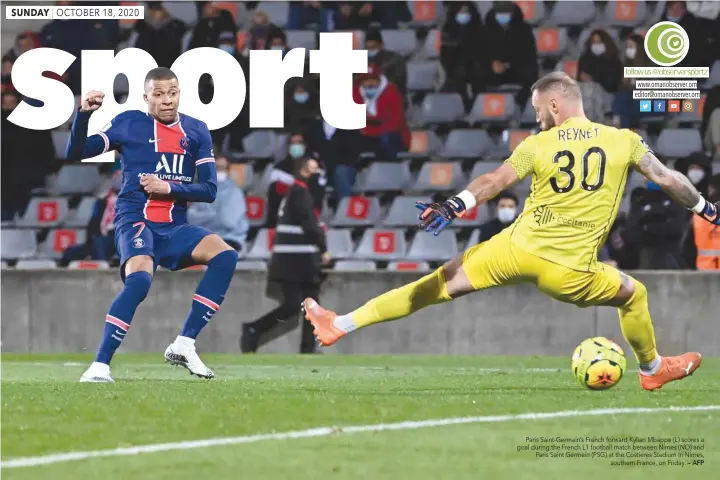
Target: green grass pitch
x,y
45,411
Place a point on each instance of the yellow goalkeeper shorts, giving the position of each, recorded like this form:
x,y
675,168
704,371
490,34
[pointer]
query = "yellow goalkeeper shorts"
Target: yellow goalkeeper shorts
x,y
498,262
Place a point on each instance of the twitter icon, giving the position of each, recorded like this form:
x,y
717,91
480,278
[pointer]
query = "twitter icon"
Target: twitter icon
x,y
645,106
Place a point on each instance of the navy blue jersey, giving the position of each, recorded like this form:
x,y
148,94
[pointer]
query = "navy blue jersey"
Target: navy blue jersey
x,y
175,153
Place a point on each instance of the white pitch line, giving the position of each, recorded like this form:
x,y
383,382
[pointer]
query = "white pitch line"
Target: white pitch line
x,y
327,431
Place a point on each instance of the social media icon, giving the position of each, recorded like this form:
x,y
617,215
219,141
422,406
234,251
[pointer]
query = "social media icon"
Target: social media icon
x,y
645,105
688,106
674,106
659,105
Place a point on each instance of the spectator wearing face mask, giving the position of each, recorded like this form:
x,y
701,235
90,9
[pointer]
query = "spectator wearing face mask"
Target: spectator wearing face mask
x,y
259,29
625,108
706,238
512,53
387,132
460,56
302,104
160,35
227,215
700,53
281,176
600,62
212,23
507,212
390,63
697,167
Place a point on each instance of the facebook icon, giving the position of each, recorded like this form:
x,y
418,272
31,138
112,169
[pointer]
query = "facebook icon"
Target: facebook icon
x,y
645,105
659,105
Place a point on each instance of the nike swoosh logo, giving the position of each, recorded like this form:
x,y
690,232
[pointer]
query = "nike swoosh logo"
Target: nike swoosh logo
x,y
153,141
687,370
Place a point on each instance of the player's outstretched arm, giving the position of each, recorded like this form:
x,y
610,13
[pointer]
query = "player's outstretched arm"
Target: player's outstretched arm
x,y
677,186
79,145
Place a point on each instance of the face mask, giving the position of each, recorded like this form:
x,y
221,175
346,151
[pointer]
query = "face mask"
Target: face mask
x,y
301,97
222,176
503,18
463,18
631,52
597,48
696,175
674,19
227,48
296,150
372,53
278,47
506,214
370,92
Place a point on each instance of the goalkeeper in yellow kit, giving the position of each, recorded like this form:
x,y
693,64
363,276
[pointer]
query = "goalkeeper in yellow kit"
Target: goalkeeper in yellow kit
x,y
579,171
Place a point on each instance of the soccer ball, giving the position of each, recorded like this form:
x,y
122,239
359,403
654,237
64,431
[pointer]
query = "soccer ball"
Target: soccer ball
x,y
598,363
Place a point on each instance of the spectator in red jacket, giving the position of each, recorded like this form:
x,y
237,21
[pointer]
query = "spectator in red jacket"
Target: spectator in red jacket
x,y
387,130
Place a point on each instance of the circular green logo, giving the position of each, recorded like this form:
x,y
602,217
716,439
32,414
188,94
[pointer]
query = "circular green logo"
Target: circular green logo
x,y
667,43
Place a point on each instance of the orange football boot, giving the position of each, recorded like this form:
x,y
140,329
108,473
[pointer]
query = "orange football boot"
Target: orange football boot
x,y
322,320
671,368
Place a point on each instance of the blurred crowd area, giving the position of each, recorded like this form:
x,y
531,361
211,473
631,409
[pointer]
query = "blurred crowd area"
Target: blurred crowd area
x,y
447,95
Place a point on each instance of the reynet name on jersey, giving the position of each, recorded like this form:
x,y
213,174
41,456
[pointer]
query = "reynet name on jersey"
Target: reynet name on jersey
x,y
335,61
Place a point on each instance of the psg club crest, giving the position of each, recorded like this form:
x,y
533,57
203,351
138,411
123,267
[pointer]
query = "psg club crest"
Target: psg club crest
x,y
185,142
138,242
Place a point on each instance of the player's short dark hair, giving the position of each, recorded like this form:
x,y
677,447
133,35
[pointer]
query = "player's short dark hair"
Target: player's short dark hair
x,y
160,73
560,82
300,163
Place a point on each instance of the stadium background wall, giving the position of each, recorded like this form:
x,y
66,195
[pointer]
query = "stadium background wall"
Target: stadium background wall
x,y
61,312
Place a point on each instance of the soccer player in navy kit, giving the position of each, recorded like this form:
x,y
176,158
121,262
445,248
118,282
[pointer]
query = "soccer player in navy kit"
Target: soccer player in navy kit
x,y
161,151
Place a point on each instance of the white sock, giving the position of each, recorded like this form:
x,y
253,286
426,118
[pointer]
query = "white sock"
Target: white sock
x,y
185,341
650,368
104,367
345,323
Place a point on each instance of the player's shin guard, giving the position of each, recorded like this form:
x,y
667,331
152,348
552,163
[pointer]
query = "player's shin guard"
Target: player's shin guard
x,y
210,293
119,317
636,325
401,302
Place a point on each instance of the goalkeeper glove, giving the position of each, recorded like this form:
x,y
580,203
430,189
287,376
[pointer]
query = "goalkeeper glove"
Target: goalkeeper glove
x,y
710,212
436,216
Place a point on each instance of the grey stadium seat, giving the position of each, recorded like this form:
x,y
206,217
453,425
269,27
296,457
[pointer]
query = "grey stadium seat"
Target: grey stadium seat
x,y
440,177
44,212
474,238
442,108
625,14
261,245
572,13
403,42
382,245
302,39
481,168
678,142
357,211
251,266
431,47
403,212
423,143
476,216
18,244
355,266
385,176
82,215
635,180
467,143
408,267
76,179
60,139
339,243
36,265
58,240
185,11
492,107
426,246
277,12
422,75
259,144
714,79
533,12
528,115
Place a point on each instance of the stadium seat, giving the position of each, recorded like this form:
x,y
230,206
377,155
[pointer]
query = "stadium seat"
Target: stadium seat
x,y
481,168
528,115
60,239
339,243
184,11
439,177
423,143
508,141
625,13
357,211
569,65
89,265
477,216
76,179
355,266
408,267
384,177
60,139
533,12
251,265
36,265
678,142
422,76
466,143
262,244
425,13
432,44
635,180
403,212
256,210
259,144
492,107
694,116
302,39
242,174
44,212
403,42
428,247
442,108
80,218
382,245
714,79
572,13
277,12
551,42
474,238
17,244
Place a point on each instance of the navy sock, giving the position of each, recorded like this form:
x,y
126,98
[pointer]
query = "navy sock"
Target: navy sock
x,y
117,321
210,293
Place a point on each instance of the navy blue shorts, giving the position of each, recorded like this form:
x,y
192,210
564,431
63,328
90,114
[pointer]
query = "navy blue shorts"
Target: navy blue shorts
x,y
171,246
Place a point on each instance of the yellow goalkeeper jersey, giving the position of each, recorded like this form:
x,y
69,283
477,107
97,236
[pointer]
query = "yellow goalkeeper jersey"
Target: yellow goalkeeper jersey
x,y
579,171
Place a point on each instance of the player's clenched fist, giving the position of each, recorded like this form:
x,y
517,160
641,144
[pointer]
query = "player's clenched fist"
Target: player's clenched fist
x,y
152,184
92,101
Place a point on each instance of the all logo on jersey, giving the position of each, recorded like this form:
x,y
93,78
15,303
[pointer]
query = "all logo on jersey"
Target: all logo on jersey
x,y
170,168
